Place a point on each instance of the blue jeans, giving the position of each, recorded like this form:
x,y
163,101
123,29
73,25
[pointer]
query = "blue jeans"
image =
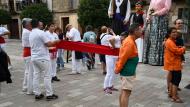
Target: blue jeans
x,y
60,61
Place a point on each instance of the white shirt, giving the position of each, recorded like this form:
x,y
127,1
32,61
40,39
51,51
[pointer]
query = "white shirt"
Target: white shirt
x,y
52,36
25,38
105,39
3,30
37,39
74,35
117,41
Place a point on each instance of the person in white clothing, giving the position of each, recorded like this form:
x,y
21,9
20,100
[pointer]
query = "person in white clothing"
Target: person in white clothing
x,y
28,75
3,33
139,17
104,37
40,58
52,50
74,35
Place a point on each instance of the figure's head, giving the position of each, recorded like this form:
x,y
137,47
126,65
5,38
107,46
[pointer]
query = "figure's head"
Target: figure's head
x,y
51,27
178,23
135,30
40,25
68,27
104,29
139,6
34,23
26,23
89,28
123,35
172,33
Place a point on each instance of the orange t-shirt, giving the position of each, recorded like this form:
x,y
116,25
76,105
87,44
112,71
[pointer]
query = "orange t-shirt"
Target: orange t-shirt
x,y
128,50
172,56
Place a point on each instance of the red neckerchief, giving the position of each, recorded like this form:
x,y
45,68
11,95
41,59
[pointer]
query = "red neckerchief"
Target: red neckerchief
x,y
140,12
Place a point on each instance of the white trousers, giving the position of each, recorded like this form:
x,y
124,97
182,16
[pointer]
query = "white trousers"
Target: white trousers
x,y
139,43
28,75
53,67
76,64
110,66
42,67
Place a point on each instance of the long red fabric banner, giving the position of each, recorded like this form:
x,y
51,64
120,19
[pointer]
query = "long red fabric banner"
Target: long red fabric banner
x,y
87,47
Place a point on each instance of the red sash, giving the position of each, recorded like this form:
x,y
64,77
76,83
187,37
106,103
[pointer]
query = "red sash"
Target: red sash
x,y
53,53
2,40
87,47
26,52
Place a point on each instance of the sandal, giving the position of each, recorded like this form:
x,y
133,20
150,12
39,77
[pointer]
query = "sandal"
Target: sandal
x,y
176,100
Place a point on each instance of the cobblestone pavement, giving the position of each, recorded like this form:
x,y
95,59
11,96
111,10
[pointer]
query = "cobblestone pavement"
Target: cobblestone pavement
x,y
86,90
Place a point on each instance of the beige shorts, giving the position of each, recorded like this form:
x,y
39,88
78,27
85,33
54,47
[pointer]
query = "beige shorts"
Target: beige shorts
x,y
127,82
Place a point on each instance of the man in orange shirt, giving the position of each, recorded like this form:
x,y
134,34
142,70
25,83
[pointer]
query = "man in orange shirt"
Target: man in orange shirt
x,y
127,63
173,63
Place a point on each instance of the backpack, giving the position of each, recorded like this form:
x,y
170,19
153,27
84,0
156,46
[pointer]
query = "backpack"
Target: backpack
x,y
92,38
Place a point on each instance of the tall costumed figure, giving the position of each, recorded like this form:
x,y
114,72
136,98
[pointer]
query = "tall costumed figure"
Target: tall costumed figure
x,y
157,16
138,17
119,11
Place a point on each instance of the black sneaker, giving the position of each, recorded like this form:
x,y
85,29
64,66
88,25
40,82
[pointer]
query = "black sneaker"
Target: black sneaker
x,y
39,97
55,79
52,97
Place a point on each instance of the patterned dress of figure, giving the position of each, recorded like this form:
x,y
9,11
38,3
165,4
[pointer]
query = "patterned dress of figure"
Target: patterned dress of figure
x,y
119,11
138,17
158,16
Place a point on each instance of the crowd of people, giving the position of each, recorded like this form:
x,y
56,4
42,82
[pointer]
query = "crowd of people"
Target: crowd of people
x,y
159,46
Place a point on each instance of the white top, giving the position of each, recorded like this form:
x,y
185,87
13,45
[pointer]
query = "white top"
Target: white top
x,y
105,39
118,4
117,41
74,35
25,38
37,41
52,36
3,30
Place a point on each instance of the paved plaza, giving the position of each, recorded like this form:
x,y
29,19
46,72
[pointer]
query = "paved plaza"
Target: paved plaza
x,y
86,90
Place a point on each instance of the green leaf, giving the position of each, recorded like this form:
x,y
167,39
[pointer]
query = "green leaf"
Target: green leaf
x,y
5,17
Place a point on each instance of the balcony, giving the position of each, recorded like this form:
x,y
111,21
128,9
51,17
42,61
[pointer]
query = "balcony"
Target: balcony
x,y
21,4
4,6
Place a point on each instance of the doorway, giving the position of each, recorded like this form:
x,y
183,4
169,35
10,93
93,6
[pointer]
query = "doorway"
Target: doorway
x,y
65,21
14,29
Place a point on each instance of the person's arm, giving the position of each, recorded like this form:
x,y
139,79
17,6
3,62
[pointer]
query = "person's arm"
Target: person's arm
x,y
110,11
128,13
164,10
173,48
125,52
85,38
47,41
149,11
5,32
112,41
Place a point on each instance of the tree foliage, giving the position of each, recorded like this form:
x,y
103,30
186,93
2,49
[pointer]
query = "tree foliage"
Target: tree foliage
x,y
37,11
5,17
93,12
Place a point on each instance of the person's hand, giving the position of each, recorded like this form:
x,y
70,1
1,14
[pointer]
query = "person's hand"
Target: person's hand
x,y
111,31
147,20
154,14
125,22
116,71
110,14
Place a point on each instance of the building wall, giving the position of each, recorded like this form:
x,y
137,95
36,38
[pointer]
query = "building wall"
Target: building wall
x,y
72,19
